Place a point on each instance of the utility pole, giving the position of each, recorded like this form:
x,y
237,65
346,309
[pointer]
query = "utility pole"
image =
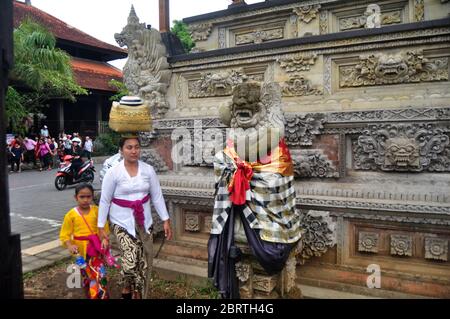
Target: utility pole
x,y
11,285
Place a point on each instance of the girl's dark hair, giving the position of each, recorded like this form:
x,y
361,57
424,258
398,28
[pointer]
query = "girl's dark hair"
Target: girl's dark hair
x,y
83,186
124,139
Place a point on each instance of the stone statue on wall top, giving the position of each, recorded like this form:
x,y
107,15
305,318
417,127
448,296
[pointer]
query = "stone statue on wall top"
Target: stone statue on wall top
x,y
146,73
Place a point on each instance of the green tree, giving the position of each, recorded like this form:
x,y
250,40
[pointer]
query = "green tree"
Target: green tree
x,y
181,30
15,110
121,90
41,72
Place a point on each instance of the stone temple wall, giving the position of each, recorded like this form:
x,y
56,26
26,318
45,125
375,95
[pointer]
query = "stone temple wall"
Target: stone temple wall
x,y
367,121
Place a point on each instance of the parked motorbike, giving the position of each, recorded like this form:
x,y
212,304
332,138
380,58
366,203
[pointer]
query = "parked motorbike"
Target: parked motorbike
x,y
65,175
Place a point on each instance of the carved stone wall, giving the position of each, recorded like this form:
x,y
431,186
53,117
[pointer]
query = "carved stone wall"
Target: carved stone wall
x,y
367,120
294,19
403,67
403,147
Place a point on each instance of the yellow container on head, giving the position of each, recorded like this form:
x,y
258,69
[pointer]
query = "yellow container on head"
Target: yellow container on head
x,y
131,115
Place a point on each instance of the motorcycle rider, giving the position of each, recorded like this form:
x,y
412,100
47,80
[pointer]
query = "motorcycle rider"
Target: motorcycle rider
x,y
77,153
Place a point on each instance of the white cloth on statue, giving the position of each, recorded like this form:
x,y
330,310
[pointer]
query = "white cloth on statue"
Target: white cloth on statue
x,y
117,183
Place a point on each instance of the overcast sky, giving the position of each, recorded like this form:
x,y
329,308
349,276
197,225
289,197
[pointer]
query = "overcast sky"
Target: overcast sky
x,y
103,18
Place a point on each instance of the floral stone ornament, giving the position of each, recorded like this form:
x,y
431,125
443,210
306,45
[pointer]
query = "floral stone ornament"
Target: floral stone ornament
x,y
130,115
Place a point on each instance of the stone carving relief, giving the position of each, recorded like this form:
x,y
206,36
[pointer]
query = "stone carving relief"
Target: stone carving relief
x,y
419,10
290,274
302,129
243,271
152,157
405,67
313,163
146,72
368,242
200,32
220,83
192,223
323,22
147,138
401,245
298,62
436,248
293,19
423,114
319,234
300,86
208,224
308,12
222,38
259,36
361,21
265,284
403,147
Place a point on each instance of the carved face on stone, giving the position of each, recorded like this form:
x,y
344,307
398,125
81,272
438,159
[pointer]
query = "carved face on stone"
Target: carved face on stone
x,y
391,67
220,80
402,152
246,106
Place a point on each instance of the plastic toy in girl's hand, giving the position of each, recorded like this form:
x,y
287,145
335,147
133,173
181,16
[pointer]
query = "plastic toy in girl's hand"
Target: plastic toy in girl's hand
x,y
110,260
80,262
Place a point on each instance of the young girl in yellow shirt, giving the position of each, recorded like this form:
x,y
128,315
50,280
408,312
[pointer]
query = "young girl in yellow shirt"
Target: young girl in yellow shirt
x,y
79,233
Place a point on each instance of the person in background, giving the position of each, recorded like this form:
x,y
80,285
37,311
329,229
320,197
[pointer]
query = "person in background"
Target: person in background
x,y
77,154
30,146
60,150
67,145
88,147
17,157
53,148
44,131
44,152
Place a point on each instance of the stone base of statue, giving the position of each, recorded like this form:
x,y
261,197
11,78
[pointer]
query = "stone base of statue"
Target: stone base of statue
x,y
255,282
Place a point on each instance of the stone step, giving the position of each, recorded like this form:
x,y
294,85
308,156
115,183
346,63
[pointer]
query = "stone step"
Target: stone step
x,y
175,270
184,260
170,267
183,249
329,290
311,292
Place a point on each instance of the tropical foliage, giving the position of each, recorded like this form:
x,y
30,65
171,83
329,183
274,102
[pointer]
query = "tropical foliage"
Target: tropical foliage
x,y
181,30
41,72
121,90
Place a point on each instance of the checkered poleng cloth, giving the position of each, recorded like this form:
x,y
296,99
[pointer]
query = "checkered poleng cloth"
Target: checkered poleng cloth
x,y
270,203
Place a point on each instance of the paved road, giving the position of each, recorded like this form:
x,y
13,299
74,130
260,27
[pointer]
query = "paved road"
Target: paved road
x,y
37,207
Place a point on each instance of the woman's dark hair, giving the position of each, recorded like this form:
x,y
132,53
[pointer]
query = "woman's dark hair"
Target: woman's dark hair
x,y
124,139
83,186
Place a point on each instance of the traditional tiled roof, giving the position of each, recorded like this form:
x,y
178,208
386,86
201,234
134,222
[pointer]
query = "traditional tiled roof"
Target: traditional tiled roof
x,y
63,31
95,75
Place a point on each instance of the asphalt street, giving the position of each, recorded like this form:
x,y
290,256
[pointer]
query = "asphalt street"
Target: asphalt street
x,y
37,207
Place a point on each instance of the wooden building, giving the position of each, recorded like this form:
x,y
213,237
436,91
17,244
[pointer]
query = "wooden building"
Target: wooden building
x,y
90,58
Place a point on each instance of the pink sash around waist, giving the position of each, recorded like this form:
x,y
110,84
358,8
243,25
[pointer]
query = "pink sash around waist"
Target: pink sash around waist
x,y
136,205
